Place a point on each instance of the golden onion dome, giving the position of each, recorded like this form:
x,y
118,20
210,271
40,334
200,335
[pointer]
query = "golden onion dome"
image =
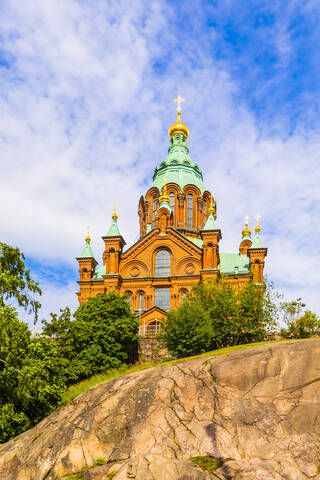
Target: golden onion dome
x,y
114,215
179,127
246,231
88,239
257,229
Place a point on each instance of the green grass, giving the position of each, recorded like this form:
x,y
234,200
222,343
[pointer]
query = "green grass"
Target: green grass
x,y
112,474
81,387
207,463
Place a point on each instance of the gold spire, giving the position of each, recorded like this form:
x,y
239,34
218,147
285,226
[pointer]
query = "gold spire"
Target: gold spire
x,y
211,209
257,229
88,239
164,197
114,215
179,127
246,230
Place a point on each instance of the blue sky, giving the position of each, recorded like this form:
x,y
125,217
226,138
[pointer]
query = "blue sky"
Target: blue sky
x,y
86,99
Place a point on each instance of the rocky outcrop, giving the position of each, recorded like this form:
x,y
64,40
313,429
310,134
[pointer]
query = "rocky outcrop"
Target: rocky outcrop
x,y
255,410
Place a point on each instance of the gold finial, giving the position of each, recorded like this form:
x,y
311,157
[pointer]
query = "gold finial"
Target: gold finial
x,y
179,127
246,231
164,197
88,239
114,215
211,209
257,229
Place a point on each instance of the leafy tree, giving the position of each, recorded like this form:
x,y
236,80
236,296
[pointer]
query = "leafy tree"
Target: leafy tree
x,y
304,326
190,325
15,279
101,336
217,315
29,386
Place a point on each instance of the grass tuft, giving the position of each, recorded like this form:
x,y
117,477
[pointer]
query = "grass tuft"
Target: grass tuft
x,y
112,474
210,464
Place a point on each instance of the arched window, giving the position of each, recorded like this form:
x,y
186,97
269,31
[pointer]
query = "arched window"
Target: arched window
x,y
162,264
171,195
190,210
155,208
183,296
204,212
140,301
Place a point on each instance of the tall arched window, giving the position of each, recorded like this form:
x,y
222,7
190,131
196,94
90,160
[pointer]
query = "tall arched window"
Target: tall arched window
x,y
155,208
140,301
171,195
190,210
204,212
162,264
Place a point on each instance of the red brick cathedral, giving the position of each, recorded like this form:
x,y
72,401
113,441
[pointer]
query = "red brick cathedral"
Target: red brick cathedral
x,y
178,245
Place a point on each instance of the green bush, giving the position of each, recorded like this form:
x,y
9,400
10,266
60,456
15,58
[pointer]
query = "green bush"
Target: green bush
x,y
216,315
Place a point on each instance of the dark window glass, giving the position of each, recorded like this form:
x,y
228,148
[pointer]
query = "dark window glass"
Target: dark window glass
x,y
204,212
162,264
155,208
190,210
171,195
162,297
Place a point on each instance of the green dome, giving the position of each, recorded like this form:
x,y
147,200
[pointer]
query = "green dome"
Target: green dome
x,y
178,167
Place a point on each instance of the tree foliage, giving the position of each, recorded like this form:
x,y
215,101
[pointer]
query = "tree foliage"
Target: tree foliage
x,y
34,372
101,336
15,279
301,325
217,315
29,387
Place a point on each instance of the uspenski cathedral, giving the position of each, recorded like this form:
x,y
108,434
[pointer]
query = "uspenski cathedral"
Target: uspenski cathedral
x,y
178,246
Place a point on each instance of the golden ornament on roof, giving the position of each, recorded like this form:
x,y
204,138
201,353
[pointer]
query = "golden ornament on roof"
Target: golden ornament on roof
x,y
211,209
257,229
88,239
164,197
246,231
114,215
179,127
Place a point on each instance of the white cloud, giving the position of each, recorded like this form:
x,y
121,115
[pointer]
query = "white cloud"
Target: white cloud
x,y
84,121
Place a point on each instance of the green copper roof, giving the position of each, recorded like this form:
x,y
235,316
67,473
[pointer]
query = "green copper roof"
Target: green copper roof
x,y
234,263
99,272
246,237
178,167
257,242
210,223
196,241
149,227
87,251
113,230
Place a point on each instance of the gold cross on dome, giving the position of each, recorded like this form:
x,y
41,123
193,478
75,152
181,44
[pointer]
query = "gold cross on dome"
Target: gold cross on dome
x,y
178,101
246,219
258,217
